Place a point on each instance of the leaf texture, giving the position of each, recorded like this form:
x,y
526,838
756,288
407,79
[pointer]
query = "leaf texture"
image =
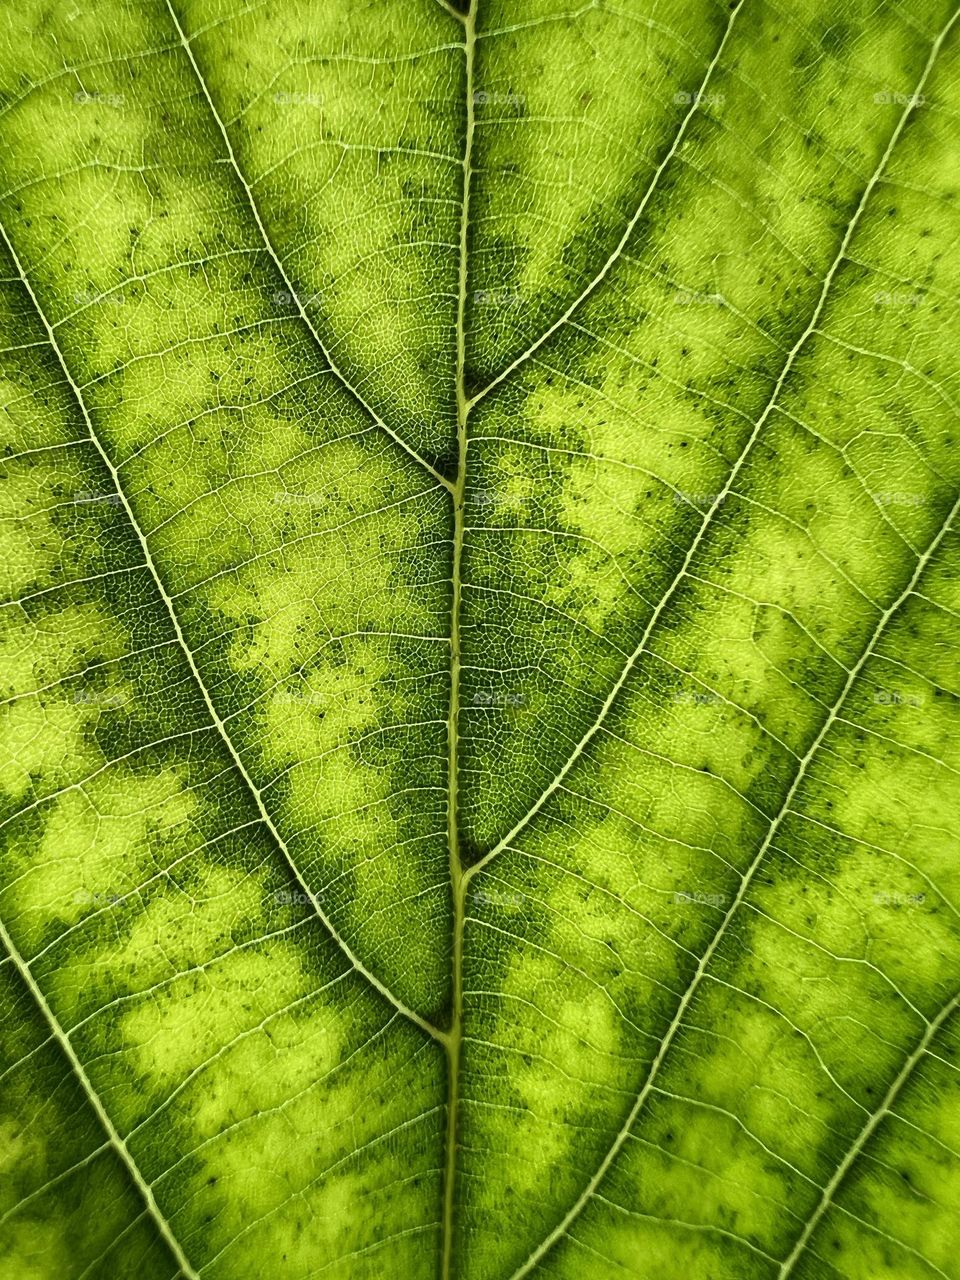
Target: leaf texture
x,y
478,742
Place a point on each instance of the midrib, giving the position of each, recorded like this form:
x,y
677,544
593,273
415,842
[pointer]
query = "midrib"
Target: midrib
x,y
458,880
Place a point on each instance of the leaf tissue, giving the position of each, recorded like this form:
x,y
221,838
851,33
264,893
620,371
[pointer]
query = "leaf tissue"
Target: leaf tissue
x,y
479,727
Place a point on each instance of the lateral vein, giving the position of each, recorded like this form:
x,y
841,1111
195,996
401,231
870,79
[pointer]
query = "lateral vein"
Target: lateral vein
x,y
133,1169
579,1204
724,493
150,565
866,1133
624,240
278,263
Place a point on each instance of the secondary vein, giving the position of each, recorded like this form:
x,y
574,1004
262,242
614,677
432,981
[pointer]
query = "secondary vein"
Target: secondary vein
x,y
116,1141
704,963
724,493
597,280
589,1190
168,604
278,262
866,1133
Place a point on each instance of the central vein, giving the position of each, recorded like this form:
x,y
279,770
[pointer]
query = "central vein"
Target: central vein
x,y
458,879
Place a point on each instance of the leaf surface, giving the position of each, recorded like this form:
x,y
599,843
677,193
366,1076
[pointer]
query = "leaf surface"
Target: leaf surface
x,y
478,744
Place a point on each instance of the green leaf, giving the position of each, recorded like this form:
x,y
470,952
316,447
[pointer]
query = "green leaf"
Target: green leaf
x,y
478,742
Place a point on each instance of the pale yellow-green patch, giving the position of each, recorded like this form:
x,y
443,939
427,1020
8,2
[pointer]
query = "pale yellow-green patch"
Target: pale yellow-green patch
x,y
44,727
95,850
